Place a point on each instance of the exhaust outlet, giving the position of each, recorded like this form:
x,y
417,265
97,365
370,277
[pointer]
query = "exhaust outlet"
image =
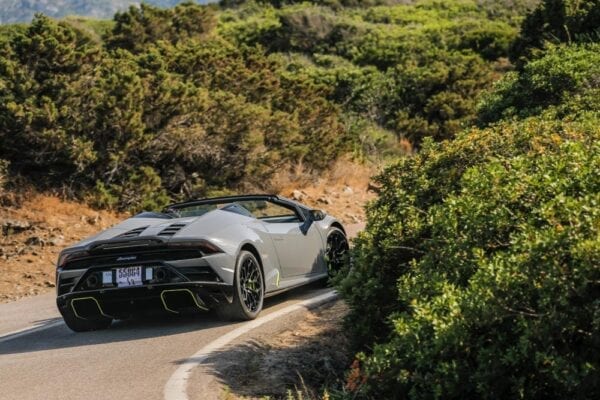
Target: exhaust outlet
x,y
161,275
87,308
93,281
174,300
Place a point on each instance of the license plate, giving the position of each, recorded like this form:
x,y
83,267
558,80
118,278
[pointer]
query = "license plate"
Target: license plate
x,y
130,276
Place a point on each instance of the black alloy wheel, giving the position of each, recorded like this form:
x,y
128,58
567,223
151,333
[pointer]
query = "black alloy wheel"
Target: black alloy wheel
x,y
248,290
337,250
251,286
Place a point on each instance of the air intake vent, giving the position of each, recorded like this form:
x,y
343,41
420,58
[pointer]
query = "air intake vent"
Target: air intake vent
x,y
133,233
171,230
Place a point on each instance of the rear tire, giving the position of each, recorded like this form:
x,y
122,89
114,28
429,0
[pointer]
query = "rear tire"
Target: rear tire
x,y
248,290
85,325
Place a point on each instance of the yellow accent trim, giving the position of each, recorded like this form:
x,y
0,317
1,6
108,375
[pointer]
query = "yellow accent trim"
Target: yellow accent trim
x,y
277,280
202,307
165,304
88,298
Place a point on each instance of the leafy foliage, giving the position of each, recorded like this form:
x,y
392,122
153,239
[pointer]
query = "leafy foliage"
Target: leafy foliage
x,y
185,116
139,26
195,99
427,60
564,82
477,274
492,242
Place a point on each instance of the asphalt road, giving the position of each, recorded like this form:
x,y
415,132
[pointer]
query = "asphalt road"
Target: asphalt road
x,y
133,359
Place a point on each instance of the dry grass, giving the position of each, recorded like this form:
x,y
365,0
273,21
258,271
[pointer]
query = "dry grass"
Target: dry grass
x,y
343,173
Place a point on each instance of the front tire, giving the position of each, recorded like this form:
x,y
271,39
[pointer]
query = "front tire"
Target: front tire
x,y
337,249
248,290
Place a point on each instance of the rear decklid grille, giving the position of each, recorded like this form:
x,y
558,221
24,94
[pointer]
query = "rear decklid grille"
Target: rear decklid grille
x,y
133,233
171,230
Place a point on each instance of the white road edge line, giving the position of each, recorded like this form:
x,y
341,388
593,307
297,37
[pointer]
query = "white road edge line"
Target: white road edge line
x,y
176,387
28,330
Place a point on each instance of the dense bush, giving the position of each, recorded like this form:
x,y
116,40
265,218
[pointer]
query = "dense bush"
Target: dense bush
x,y
565,82
477,275
145,24
437,99
426,60
184,113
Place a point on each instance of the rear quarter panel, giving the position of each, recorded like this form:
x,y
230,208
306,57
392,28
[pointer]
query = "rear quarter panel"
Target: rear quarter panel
x,y
232,238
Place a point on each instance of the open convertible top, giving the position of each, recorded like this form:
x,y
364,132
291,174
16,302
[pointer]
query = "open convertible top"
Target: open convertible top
x,y
231,199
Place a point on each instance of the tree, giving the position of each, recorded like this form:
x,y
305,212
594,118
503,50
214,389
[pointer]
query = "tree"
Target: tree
x,y
139,26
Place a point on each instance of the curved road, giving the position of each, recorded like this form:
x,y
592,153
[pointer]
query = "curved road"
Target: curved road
x,y
134,359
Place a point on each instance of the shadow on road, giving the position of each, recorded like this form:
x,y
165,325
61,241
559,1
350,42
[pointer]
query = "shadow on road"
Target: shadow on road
x,y
136,328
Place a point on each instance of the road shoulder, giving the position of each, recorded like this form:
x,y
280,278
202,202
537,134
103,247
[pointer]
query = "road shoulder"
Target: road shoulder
x,y
303,352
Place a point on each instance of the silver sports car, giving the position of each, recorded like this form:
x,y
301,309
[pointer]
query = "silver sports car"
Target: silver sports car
x,y
225,253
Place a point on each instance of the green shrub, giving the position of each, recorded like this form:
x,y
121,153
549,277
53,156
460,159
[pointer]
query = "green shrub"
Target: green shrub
x,y
139,26
196,110
142,190
565,79
477,274
37,68
437,98
250,25
211,98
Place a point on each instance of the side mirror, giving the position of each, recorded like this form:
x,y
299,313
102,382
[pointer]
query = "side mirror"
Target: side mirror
x,y
317,215
313,215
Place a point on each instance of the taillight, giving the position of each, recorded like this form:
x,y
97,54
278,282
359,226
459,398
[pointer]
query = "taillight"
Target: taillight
x,y
64,258
204,246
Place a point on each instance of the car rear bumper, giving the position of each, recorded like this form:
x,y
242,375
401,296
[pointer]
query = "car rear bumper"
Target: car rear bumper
x,y
119,303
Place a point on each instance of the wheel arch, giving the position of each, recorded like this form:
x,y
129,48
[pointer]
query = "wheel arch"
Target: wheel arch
x,y
250,247
336,224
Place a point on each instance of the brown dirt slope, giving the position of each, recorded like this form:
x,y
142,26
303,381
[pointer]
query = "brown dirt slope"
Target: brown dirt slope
x,y
32,236
343,191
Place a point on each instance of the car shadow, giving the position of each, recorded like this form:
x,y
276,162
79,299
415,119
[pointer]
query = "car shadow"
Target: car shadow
x,y
52,334
59,336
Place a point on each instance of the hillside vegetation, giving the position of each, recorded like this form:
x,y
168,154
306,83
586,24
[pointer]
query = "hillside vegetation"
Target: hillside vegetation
x,y
477,275
166,104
